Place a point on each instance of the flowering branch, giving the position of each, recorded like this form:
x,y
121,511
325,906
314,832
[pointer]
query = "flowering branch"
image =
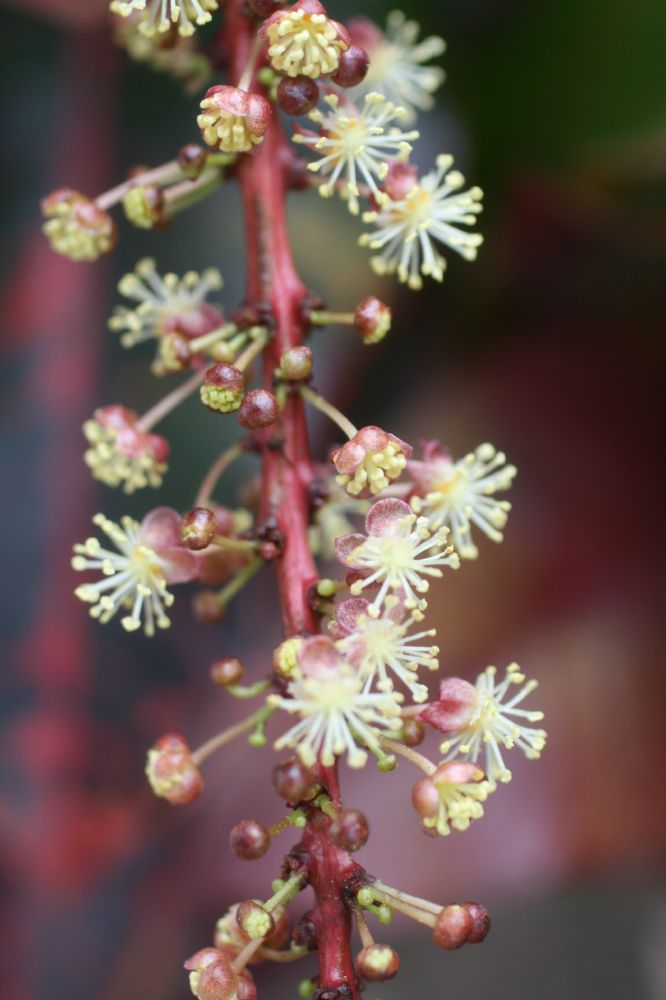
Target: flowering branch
x,y
353,649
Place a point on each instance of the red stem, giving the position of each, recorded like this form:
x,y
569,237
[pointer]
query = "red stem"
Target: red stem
x,y
274,284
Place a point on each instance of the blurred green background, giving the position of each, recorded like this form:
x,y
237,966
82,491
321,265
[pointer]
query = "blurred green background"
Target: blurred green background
x,y
550,346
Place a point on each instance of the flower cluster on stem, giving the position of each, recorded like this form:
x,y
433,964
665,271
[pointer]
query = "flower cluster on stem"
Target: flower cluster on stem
x,y
348,682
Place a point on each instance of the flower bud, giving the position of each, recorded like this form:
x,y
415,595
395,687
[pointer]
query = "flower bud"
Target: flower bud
x,y
377,962
297,95
285,656
425,798
453,927
172,772
227,671
293,781
259,409
198,528
249,840
212,976
233,120
372,320
76,226
254,920
222,390
192,160
352,67
296,363
413,732
144,206
349,831
206,607
480,922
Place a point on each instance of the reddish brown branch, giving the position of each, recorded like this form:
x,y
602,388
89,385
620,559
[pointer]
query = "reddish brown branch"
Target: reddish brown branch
x,y
274,287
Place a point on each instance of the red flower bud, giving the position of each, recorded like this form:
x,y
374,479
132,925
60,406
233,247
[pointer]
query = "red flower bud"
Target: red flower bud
x,y
297,95
249,840
222,390
352,67
349,831
258,409
293,781
453,927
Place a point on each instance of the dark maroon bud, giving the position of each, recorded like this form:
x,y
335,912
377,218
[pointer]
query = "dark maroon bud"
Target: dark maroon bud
x,y
206,607
264,8
258,409
249,840
350,830
227,671
198,528
342,992
292,780
297,95
480,922
352,67
192,159
453,928
304,934
413,732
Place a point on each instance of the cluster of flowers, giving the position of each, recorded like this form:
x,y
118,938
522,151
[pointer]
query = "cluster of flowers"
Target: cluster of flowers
x,y
356,690
359,88
348,686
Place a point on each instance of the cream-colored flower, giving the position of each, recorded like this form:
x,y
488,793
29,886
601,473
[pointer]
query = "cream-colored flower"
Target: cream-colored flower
x,y
399,554
408,230
396,61
336,712
157,16
165,305
495,721
462,494
356,144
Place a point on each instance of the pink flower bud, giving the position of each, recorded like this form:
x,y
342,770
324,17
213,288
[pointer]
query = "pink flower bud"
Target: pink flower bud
x,y
296,363
425,798
212,976
172,772
400,180
458,701
76,226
